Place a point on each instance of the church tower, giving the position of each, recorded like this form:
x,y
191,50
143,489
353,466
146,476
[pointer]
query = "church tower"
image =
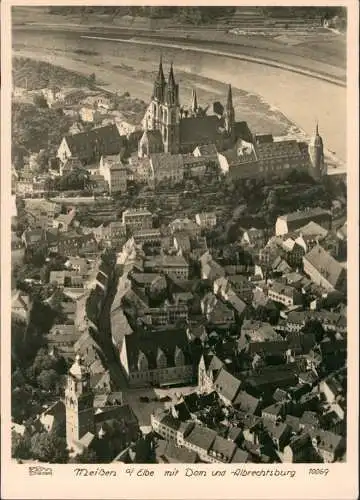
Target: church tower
x,y
316,153
229,114
157,98
170,127
79,401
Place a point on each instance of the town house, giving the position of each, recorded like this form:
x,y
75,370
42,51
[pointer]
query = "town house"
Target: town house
x,y
158,356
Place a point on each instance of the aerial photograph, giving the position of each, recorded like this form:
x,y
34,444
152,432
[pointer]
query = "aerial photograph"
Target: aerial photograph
x,y
178,235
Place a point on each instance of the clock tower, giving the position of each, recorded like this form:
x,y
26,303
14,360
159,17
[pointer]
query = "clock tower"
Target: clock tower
x,y
79,403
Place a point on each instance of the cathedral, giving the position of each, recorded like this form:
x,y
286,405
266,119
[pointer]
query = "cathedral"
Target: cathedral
x,y
169,128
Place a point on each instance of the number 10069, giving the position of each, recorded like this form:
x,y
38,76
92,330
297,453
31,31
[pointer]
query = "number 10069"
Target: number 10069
x,y
318,472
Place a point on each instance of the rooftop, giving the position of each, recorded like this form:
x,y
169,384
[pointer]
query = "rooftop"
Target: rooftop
x,y
201,436
324,263
227,385
103,140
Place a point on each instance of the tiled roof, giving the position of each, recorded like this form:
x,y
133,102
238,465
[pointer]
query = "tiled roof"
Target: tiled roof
x,y
276,430
153,138
167,339
282,289
233,158
305,216
122,413
326,265
179,454
269,347
234,433
312,229
326,440
143,279
227,385
167,261
240,457
279,149
166,162
119,325
214,364
104,140
236,302
246,402
223,449
201,436
200,130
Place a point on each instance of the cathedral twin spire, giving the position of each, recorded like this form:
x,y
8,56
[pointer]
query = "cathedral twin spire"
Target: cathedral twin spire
x,y
166,91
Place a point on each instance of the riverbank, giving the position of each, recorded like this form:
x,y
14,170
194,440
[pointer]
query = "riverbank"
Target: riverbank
x,y
269,99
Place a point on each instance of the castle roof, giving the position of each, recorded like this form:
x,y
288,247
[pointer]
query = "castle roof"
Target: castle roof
x,y
278,149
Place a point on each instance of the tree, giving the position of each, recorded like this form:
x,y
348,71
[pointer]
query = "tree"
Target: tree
x,y
17,378
40,101
48,447
92,80
48,379
43,362
315,327
20,445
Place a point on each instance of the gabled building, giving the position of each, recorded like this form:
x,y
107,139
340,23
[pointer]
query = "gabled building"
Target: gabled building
x,y
227,386
324,270
290,222
287,295
159,356
90,146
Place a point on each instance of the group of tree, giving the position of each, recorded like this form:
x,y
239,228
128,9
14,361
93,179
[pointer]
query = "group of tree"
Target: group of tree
x,y
36,128
43,446
194,15
78,179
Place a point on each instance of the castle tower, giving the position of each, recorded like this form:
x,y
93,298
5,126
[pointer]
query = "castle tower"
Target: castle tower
x,y
170,122
79,401
316,153
229,113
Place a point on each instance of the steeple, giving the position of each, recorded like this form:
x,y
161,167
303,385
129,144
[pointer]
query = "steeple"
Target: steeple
x,y
171,79
160,76
229,102
194,103
229,113
159,84
317,140
316,154
172,89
